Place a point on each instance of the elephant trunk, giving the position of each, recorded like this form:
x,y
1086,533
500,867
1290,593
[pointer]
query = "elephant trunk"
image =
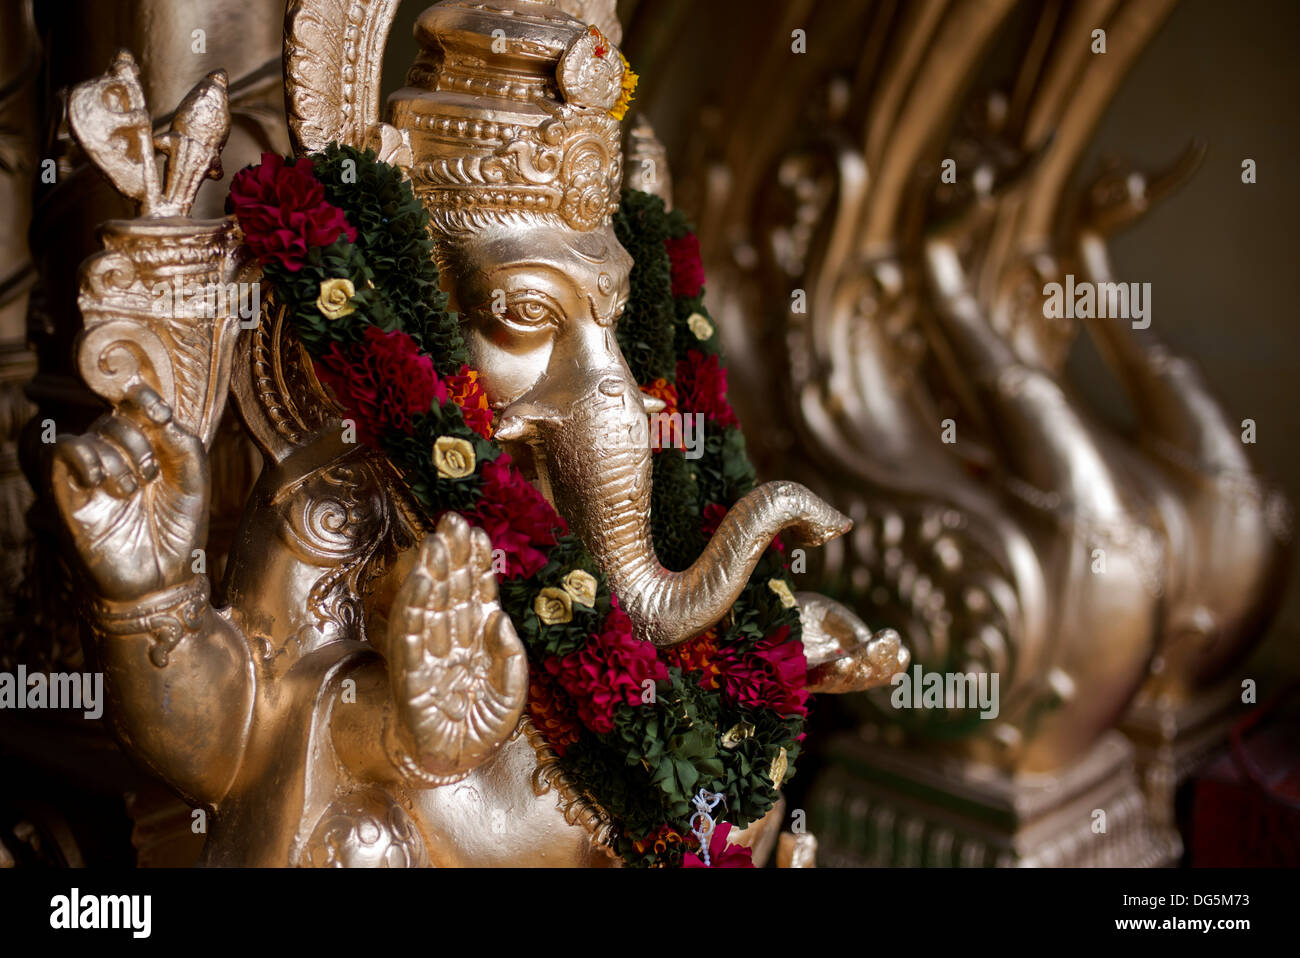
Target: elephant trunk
x,y
594,462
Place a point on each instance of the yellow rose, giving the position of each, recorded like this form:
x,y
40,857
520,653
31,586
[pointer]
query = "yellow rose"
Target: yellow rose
x,y
553,606
335,298
581,587
782,591
779,766
700,325
737,734
453,458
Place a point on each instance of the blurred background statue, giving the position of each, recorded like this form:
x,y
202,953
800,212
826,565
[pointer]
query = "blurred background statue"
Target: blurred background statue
x,y
884,253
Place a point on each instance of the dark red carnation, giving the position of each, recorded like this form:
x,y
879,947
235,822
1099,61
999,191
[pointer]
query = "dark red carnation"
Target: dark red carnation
x,y
771,675
687,270
281,208
551,710
381,382
608,671
711,517
517,518
702,388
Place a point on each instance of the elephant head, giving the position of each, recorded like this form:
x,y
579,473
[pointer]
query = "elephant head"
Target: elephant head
x,y
540,303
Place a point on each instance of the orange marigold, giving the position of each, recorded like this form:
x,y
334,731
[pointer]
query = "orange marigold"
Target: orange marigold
x,y
463,389
665,432
660,840
699,654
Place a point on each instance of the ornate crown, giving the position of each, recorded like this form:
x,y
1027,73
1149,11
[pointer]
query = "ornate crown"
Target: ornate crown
x,y
513,107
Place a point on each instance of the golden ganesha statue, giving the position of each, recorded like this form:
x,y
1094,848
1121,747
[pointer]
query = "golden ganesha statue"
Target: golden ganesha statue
x,y
505,592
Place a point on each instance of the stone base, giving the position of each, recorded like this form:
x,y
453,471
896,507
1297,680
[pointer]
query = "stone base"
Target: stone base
x,y
1173,741
879,805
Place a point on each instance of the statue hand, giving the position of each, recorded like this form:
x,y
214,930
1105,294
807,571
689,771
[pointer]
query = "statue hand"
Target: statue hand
x,y
843,653
134,494
458,670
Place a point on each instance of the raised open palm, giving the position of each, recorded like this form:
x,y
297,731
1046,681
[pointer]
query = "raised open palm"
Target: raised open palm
x,y
458,670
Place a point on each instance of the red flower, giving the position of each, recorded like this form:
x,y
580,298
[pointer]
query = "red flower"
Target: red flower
x,y
702,387
464,390
381,382
770,675
608,671
687,270
721,855
552,711
282,210
517,518
712,516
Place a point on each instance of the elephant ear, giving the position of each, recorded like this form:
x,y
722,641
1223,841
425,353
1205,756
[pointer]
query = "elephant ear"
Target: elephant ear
x,y
333,58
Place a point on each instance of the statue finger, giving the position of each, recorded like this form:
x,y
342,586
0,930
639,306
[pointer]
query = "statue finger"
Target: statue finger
x,y
454,535
134,443
76,453
437,566
180,453
411,601
143,405
70,492
466,616
455,532
119,477
509,664
436,638
485,586
460,579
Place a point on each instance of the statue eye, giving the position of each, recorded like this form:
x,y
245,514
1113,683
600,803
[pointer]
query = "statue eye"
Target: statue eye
x,y
531,309
532,312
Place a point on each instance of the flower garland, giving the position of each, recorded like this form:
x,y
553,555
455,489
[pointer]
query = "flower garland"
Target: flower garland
x,y
345,246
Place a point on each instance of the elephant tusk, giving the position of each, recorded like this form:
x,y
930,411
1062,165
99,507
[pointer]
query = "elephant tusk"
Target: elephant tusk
x,y
522,419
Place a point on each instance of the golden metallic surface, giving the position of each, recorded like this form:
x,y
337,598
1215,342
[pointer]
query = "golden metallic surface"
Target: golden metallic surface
x,y
356,699
797,851
1000,526
843,655
333,59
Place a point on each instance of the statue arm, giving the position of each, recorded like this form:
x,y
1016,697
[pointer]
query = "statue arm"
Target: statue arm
x,y
180,682
133,493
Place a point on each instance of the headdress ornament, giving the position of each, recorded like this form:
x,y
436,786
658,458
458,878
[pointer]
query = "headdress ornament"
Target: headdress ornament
x,y
513,108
